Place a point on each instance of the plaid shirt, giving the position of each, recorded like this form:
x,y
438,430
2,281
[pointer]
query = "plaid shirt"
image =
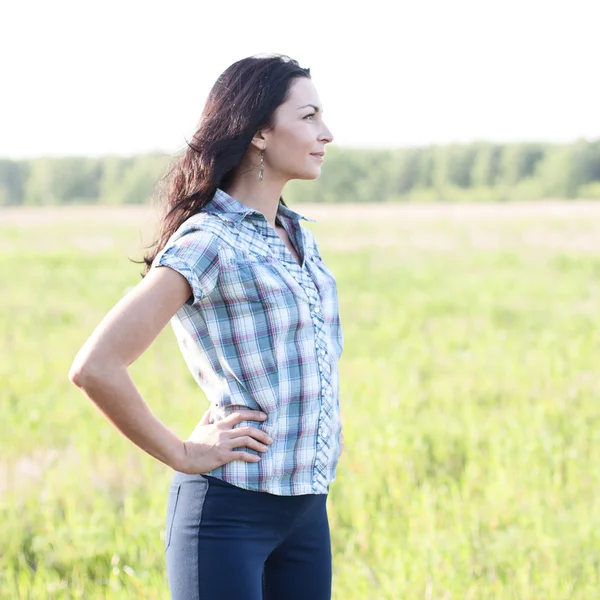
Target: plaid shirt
x,y
264,333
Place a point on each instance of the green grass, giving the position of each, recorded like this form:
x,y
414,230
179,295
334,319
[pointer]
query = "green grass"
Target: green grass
x,y
470,388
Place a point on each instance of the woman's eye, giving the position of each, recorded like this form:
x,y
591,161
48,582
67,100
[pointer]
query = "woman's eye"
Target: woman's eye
x,y
310,116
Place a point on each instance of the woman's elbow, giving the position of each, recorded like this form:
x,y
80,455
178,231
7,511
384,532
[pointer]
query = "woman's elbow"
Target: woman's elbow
x,y
84,371
78,373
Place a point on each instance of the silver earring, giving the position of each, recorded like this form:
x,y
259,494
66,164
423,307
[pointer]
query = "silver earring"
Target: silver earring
x,y
262,165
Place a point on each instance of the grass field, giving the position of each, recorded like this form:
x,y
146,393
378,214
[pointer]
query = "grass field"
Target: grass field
x,y
470,388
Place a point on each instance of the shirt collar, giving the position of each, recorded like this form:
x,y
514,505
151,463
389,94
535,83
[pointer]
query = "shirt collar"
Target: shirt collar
x,y
230,209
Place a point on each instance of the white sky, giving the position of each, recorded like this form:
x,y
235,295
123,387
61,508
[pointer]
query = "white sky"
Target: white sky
x,y
124,76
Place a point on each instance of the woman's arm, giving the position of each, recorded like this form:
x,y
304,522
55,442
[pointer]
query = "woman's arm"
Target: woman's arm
x,y
100,370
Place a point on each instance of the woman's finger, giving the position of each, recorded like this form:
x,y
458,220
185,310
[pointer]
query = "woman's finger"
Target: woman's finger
x,y
254,432
245,456
206,420
246,441
242,415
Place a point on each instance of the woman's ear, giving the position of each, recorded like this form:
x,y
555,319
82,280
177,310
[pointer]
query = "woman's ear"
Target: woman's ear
x,y
259,140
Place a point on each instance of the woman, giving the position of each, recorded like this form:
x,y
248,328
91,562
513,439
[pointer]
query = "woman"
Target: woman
x,y
255,313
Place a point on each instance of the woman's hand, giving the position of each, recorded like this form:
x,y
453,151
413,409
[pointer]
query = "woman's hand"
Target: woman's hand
x,y
212,444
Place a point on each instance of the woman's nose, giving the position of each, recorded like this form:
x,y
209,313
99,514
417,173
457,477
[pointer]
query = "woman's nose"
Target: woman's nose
x,y
327,136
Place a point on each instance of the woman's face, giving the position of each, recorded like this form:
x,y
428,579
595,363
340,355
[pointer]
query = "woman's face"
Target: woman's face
x,y
295,146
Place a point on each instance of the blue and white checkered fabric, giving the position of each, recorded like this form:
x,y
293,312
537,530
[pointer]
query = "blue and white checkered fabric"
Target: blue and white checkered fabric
x,y
263,332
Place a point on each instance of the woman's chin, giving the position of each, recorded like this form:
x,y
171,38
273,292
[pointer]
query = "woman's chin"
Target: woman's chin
x,y
311,174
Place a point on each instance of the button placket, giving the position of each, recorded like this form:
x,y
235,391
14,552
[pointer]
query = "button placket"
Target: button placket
x,y
326,412
305,281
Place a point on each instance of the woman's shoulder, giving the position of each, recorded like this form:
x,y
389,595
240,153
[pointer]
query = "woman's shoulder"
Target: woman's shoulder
x,y
201,221
207,226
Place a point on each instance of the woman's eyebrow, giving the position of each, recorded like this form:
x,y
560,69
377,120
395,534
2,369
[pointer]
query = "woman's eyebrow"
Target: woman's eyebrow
x,y
317,109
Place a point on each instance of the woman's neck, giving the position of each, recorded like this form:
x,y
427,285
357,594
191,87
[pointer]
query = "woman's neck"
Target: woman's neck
x,y
262,196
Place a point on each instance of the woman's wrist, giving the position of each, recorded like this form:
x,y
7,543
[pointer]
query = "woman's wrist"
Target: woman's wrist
x,y
178,460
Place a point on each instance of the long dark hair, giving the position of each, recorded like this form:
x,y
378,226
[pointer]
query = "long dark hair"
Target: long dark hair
x,y
241,102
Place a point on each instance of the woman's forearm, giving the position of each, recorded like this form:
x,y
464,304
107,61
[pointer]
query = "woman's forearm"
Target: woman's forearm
x,y
112,390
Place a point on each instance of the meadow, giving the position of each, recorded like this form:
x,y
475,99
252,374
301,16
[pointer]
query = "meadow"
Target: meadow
x,y
470,388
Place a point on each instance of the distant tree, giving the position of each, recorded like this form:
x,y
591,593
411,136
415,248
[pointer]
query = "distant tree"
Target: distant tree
x,y
13,175
481,171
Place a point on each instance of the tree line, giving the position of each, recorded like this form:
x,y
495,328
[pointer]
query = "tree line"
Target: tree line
x,y
480,171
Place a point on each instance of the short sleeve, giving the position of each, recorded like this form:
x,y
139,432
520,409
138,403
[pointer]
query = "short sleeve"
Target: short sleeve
x,y
195,255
